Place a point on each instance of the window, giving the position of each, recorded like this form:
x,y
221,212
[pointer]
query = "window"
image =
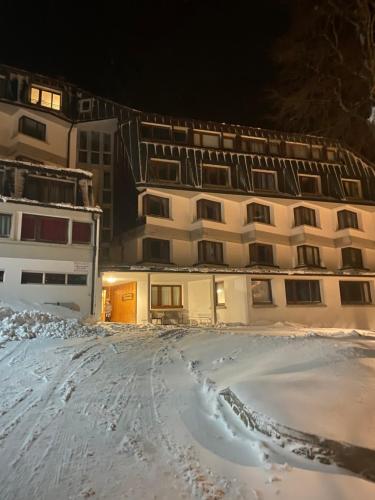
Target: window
x,y
94,147
352,258
274,147
219,293
85,105
162,133
308,256
106,196
81,232
77,279
297,150
31,127
258,213
264,181
54,279
304,216
180,135
261,254
166,296
107,149
44,229
46,98
5,224
31,278
215,176
106,235
206,139
331,154
106,218
106,180
261,292
302,292
83,147
49,191
156,206
346,218
352,188
253,145
1,276
107,187
155,250
164,171
309,184
207,209
317,152
210,252
228,142
355,292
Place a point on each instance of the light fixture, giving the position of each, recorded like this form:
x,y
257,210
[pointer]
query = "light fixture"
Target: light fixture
x,y
109,279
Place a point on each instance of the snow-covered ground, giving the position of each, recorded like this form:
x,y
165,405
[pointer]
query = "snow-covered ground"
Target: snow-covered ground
x,y
136,413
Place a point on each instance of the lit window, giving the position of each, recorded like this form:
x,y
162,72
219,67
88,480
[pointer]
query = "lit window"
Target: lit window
x,y
220,293
46,98
166,296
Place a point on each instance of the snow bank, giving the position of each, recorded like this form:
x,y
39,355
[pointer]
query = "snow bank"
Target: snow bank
x,y
29,324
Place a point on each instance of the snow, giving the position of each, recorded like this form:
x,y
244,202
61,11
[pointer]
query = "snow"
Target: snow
x,y
133,412
70,206
39,166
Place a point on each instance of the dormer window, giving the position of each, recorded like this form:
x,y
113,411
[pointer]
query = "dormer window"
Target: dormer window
x,y
317,152
331,154
264,181
352,188
253,145
215,176
228,141
297,150
206,139
46,98
164,171
309,184
180,135
155,132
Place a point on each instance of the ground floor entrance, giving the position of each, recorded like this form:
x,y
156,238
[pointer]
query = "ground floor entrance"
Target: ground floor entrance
x,y
119,303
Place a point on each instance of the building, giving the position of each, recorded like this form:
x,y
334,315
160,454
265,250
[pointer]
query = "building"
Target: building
x,y
206,222
49,235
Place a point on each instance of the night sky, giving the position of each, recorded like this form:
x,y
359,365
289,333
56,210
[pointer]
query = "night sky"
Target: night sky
x,y
201,59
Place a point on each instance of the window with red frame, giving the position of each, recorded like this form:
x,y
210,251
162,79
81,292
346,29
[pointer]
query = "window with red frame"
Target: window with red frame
x,y
44,229
81,232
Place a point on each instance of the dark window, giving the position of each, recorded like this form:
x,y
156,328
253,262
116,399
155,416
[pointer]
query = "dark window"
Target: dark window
x,y
253,145
304,216
346,218
207,209
163,171
210,252
261,291
155,250
35,278
146,132
258,213
54,279
261,254
180,136
81,232
45,229
155,205
352,188
107,149
355,292
1,276
166,296
309,184
49,191
308,256
264,181
162,133
107,196
302,292
297,150
5,224
352,257
106,235
215,176
106,180
77,279
106,217
31,127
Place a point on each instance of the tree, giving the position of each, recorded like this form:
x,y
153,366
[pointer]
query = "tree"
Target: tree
x,y
326,62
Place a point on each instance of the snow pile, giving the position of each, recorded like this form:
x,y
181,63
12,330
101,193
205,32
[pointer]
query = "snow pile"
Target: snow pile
x,y
29,324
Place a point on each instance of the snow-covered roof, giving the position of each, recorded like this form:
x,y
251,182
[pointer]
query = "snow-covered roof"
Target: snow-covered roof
x,y
71,172
66,206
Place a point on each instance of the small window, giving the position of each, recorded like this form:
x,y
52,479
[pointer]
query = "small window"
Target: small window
x,y
304,216
346,218
264,181
156,206
95,148
261,292
302,292
309,184
31,278
352,189
146,131
83,147
54,279
164,171
317,152
46,98
261,254
5,224
47,190
331,154
228,142
107,180
106,235
253,145
308,256
31,127
210,210
166,296
44,229
85,105
215,176
352,258
355,292
180,136
274,147
297,150
207,140
106,197
220,293
210,252
77,279
258,213
155,250
81,232
107,149
1,276
106,218
162,133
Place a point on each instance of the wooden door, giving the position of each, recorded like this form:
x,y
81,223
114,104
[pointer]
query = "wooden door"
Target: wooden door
x,y
124,303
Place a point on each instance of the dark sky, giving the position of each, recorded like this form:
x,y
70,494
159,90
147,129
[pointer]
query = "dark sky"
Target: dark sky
x,y
195,58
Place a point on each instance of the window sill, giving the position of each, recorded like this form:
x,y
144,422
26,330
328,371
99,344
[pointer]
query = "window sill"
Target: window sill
x,y
258,306
209,220
221,306
156,217
210,264
307,225
307,267
306,304
272,266
355,269
357,305
259,222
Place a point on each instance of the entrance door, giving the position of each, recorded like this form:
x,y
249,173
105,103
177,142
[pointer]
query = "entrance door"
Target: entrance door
x,y
124,303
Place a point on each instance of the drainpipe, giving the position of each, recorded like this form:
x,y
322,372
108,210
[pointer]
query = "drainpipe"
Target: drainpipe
x,y
68,145
95,218
214,312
